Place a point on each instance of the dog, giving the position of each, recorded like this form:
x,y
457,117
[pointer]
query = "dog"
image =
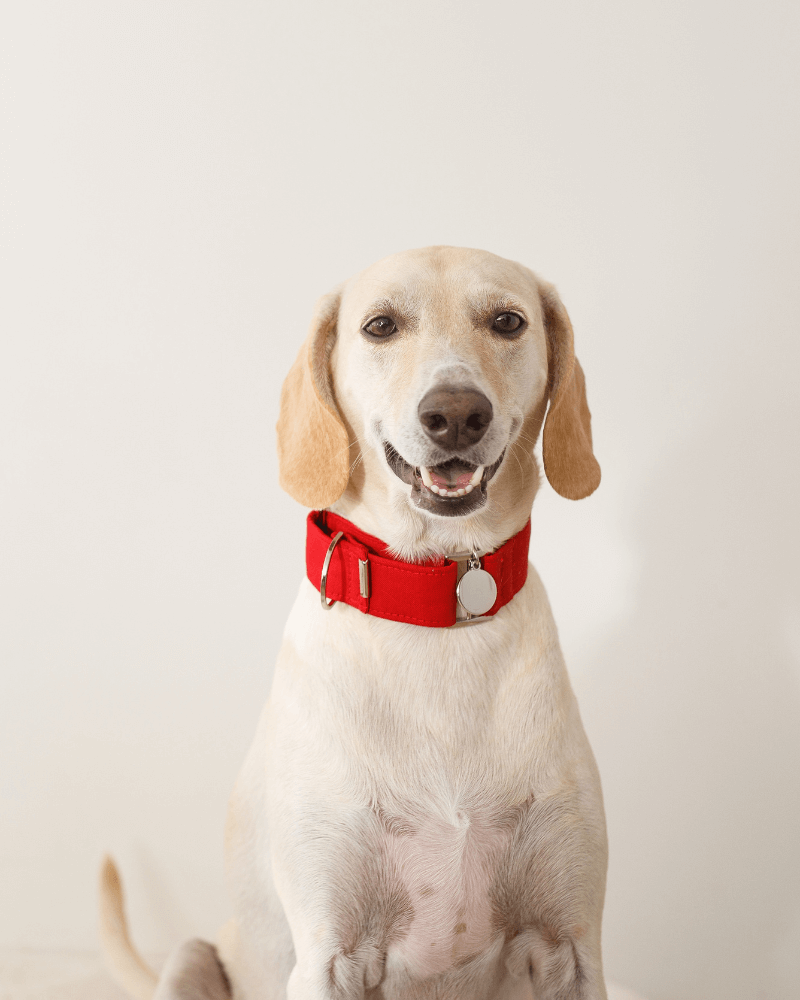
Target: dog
x,y
420,815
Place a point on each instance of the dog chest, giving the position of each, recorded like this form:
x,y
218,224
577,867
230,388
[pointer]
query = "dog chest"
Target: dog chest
x,y
446,865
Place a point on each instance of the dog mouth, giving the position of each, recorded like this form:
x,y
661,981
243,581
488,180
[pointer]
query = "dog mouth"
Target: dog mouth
x,y
452,489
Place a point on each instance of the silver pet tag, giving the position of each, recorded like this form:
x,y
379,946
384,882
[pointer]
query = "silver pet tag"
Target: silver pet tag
x,y
476,590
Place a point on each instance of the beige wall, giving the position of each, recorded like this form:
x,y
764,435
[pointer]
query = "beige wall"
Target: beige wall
x,y
181,181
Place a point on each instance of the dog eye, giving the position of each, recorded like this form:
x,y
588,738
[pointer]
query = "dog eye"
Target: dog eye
x,y
508,322
380,327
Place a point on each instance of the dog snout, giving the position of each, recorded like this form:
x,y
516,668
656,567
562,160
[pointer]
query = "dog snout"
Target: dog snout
x,y
454,417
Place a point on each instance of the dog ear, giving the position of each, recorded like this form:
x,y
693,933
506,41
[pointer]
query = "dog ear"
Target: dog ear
x,y
313,445
569,463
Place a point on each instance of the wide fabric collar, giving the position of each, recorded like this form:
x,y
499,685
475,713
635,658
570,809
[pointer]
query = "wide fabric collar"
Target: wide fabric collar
x,y
346,564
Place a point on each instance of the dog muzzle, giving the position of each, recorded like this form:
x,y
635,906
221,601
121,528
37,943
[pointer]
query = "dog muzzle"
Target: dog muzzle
x,y
348,565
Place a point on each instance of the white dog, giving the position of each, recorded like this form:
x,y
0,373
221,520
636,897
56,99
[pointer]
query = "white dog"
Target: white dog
x,y
420,814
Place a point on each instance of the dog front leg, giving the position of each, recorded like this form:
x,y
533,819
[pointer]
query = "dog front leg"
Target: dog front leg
x,y
342,975
193,972
558,968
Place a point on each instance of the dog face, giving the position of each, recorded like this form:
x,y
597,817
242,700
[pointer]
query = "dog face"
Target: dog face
x,y
440,357
423,387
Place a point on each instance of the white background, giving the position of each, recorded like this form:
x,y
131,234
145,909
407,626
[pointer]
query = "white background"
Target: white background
x,y
180,182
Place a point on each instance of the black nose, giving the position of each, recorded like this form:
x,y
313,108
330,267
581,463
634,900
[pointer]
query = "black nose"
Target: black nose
x,y
454,417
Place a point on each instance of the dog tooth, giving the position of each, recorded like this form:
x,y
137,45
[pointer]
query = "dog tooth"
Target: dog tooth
x,y
468,488
476,476
461,492
426,476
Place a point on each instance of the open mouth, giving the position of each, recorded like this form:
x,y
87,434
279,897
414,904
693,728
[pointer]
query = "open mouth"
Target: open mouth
x,y
453,489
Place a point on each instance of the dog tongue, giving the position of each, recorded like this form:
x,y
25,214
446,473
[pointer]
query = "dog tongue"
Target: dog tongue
x,y
452,478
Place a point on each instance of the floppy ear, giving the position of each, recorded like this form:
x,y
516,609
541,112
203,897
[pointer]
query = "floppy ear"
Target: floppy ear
x,y
569,463
313,446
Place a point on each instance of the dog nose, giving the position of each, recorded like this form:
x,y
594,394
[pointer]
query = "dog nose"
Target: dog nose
x,y
454,417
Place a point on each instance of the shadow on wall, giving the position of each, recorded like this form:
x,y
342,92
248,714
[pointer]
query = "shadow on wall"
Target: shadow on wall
x,y
694,713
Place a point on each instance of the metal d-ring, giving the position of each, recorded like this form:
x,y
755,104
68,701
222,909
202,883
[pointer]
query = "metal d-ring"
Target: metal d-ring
x,y
324,578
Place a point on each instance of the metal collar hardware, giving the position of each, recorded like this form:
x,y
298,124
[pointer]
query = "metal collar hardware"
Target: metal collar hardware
x,y
476,590
323,580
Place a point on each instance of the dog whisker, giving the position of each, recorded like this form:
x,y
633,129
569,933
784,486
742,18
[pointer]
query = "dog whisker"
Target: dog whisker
x,y
527,439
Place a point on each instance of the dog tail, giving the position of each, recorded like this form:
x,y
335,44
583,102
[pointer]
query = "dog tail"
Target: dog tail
x,y
124,962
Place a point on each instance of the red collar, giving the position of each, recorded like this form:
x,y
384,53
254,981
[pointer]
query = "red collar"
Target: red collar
x,y
361,573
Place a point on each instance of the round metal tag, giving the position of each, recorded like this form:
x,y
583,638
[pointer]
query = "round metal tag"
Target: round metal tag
x,y
476,591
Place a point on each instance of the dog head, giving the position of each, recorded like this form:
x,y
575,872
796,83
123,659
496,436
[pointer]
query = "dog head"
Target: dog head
x,y
420,392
